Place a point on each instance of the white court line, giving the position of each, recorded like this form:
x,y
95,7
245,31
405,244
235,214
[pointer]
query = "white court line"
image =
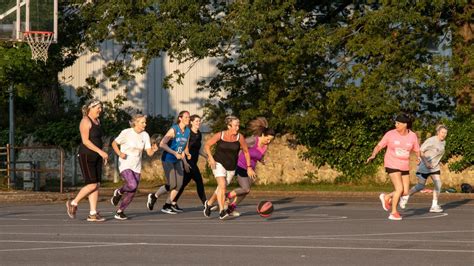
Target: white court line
x,y
243,246
308,237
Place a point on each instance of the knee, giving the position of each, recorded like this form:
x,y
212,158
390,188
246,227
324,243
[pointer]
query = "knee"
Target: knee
x,y
419,186
246,191
93,187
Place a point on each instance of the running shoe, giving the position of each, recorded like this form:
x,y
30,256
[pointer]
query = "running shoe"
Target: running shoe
x,y
207,209
120,216
395,216
151,201
95,218
71,209
167,209
436,208
385,203
223,215
176,208
403,202
116,197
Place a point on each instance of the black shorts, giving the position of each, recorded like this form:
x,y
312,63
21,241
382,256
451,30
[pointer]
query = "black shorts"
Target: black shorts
x,y
91,168
425,176
391,170
241,172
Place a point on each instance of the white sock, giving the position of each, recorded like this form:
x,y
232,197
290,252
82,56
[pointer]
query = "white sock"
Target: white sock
x,y
406,197
73,203
435,203
93,212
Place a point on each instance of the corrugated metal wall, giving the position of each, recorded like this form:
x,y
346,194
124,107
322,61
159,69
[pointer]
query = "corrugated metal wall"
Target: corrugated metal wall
x,y
145,92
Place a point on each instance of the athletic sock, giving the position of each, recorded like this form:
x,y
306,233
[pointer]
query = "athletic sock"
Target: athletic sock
x,y
435,203
93,212
73,203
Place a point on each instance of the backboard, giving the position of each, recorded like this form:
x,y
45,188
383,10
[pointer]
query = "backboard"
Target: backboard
x,y
18,16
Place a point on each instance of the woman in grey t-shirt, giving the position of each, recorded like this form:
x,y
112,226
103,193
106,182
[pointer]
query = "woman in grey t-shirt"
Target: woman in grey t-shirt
x,y
432,150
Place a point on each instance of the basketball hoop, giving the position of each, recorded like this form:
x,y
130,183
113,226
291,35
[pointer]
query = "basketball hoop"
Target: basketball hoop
x,y
39,42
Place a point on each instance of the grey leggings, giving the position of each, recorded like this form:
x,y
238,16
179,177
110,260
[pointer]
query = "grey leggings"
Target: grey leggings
x,y
174,175
244,183
422,182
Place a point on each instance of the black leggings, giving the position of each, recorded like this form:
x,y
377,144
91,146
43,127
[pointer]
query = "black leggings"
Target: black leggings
x,y
195,175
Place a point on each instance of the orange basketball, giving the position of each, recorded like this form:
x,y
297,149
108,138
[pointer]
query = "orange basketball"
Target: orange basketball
x,y
265,208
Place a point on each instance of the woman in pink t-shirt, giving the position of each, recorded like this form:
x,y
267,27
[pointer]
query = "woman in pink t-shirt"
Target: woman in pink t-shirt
x,y
399,142
258,144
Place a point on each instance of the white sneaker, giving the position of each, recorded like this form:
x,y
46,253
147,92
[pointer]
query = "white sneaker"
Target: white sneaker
x,y
235,214
436,208
403,202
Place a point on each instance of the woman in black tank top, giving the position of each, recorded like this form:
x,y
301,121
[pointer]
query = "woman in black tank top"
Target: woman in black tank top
x,y
91,158
224,161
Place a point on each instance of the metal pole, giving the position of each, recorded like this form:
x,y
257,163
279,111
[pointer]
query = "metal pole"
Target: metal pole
x,y
61,170
55,20
11,134
18,20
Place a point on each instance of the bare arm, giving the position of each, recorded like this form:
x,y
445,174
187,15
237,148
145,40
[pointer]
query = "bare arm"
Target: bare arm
x,y
245,150
207,148
117,150
164,143
374,153
151,151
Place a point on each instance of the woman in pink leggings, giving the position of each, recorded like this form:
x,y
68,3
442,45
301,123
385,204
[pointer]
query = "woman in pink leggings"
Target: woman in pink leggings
x,y
400,142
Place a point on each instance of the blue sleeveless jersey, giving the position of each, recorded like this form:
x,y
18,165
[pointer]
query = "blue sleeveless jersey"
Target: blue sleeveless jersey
x,y
178,144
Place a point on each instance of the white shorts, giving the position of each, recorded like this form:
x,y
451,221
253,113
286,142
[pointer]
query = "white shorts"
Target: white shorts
x,y
221,171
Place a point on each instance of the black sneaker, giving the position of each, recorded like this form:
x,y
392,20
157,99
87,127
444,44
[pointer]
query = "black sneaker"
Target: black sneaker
x,y
151,201
176,208
207,209
115,198
223,215
120,216
167,209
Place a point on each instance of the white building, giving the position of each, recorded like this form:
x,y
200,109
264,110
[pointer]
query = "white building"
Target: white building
x,y
145,92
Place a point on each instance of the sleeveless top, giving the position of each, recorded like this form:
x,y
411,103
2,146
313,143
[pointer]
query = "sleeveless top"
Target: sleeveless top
x,y
177,144
227,152
194,146
95,136
256,154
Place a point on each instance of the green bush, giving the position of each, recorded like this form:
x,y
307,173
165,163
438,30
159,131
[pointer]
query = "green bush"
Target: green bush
x,y
460,142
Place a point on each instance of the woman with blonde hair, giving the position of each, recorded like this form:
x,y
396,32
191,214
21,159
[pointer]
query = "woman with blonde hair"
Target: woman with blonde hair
x,y
91,158
258,143
223,162
432,150
132,142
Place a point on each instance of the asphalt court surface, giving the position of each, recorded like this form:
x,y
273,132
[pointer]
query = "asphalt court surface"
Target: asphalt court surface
x,y
301,231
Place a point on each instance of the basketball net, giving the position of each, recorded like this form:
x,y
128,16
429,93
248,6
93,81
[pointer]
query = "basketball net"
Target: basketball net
x,y
39,42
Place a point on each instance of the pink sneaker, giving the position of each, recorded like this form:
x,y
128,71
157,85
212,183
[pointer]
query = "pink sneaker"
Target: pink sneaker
x,y
395,216
386,205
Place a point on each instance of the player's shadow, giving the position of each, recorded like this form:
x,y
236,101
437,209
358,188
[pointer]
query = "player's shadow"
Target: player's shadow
x,y
425,210
309,207
455,204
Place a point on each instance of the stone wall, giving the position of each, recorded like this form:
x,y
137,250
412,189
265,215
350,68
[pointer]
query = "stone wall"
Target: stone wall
x,y
282,165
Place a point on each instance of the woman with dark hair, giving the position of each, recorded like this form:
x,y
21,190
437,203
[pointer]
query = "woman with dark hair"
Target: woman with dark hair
x,y
91,158
132,142
258,144
194,145
174,144
399,142
223,162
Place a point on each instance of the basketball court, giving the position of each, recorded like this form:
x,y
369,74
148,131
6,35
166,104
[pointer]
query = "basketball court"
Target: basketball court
x,y
302,230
